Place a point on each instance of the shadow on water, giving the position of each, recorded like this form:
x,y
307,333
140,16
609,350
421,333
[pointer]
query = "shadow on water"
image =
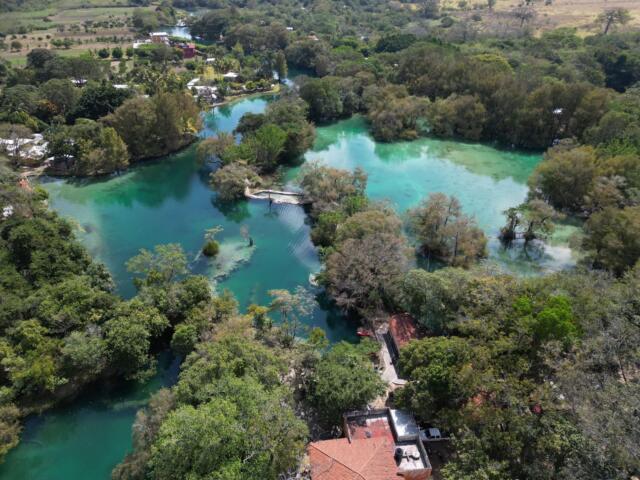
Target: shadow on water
x,y
150,183
236,212
336,319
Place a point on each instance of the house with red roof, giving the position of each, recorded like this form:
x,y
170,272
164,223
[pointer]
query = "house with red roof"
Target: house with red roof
x,y
188,50
380,444
402,329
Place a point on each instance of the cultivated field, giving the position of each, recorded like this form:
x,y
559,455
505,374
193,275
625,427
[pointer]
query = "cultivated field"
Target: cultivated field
x,y
68,19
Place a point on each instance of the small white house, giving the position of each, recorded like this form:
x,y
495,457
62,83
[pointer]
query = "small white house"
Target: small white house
x,y
139,43
206,93
159,37
230,76
204,88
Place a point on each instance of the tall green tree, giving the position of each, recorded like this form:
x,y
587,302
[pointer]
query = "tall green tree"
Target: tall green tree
x,y
611,239
268,143
281,66
344,380
613,16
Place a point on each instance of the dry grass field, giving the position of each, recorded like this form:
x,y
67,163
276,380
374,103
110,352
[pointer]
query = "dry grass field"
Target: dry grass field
x,y
580,14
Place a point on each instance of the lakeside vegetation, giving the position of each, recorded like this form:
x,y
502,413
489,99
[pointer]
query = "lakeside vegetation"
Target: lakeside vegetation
x,y
536,378
62,326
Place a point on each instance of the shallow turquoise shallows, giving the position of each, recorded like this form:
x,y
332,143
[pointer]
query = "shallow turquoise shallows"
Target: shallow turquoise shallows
x,y
487,181
170,201
85,440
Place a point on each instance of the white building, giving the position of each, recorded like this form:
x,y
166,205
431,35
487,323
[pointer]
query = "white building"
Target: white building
x,y
159,37
206,93
33,148
138,43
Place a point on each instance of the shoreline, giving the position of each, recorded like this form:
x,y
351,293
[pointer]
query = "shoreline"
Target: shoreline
x,y
25,172
243,96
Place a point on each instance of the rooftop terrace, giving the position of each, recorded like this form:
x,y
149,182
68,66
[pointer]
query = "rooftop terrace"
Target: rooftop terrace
x,y
379,445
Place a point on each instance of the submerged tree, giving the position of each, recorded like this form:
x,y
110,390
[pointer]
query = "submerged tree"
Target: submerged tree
x,y
530,221
211,245
292,307
444,232
214,148
327,188
231,181
161,266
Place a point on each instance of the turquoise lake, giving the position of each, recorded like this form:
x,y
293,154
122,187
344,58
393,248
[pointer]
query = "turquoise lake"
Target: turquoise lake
x,y
169,200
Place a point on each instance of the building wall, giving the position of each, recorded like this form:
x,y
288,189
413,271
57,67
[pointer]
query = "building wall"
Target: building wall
x,y
417,474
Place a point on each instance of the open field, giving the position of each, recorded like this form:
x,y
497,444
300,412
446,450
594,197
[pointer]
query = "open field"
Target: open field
x,y
51,17
66,18
580,14
67,21
65,12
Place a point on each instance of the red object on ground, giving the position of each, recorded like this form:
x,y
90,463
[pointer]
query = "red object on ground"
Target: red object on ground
x,y
363,332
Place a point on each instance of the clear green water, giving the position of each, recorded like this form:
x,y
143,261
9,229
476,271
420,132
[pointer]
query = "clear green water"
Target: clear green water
x,y
170,201
86,439
487,181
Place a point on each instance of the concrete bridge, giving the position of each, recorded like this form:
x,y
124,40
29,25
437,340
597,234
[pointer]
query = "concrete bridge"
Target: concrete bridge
x,y
276,196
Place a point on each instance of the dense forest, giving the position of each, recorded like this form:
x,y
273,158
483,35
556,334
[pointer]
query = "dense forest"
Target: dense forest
x,y
524,371
534,378
62,326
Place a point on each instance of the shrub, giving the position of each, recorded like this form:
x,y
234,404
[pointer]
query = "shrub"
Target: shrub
x,y
446,22
211,248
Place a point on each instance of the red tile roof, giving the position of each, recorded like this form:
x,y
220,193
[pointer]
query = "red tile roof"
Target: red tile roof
x,y
366,459
373,428
403,328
